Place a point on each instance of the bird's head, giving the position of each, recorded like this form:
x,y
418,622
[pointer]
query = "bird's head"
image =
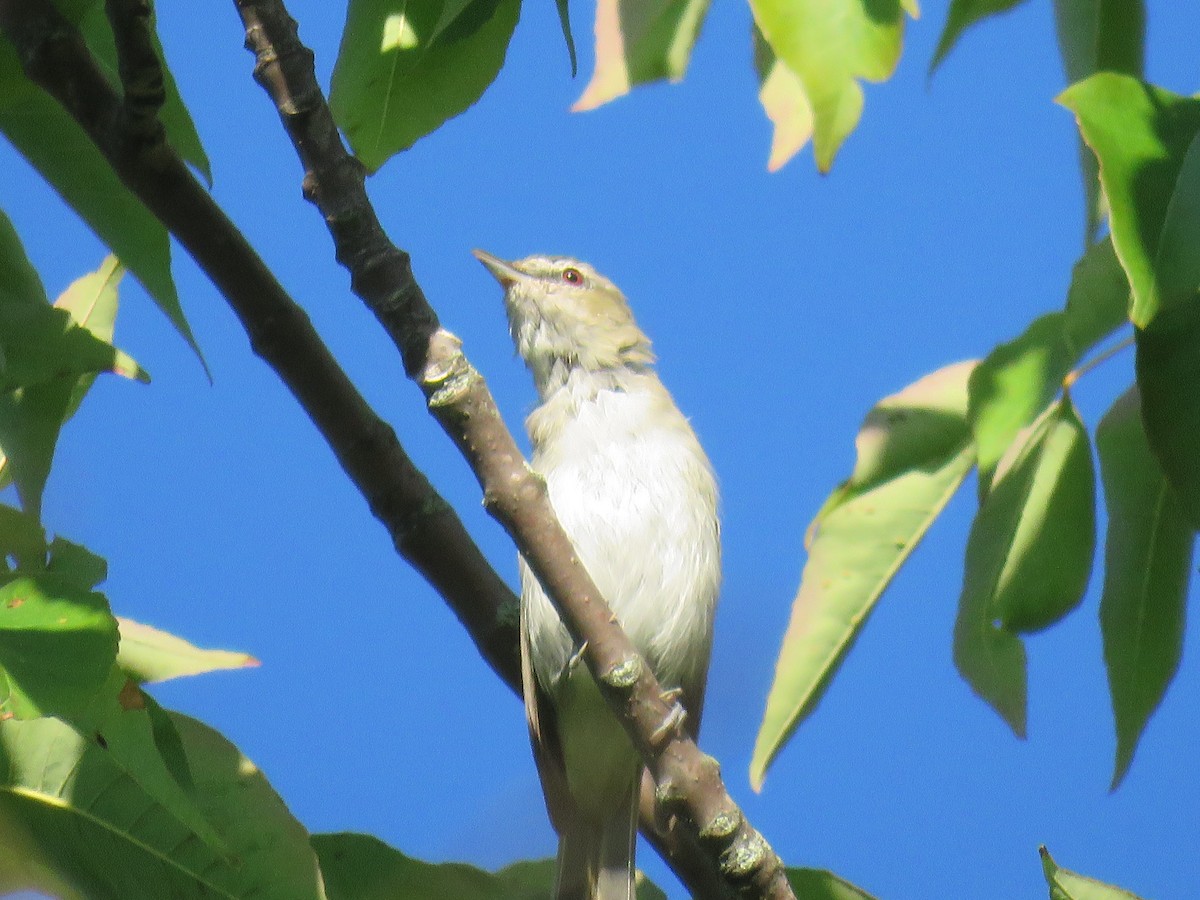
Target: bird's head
x,y
563,313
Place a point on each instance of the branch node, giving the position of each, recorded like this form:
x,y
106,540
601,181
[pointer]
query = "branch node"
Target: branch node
x,y
722,827
623,675
447,379
744,857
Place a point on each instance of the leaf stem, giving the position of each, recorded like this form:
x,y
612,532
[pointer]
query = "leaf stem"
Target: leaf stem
x,y
1075,374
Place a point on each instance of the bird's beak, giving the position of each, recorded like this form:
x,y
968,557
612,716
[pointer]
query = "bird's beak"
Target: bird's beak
x,y
504,272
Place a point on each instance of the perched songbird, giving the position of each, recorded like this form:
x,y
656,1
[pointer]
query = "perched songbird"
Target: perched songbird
x,y
636,495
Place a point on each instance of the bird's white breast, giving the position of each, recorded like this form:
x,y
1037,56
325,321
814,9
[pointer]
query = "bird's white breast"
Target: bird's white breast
x,y
636,495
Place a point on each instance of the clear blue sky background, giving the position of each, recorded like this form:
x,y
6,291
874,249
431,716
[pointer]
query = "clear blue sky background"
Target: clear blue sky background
x,y
782,306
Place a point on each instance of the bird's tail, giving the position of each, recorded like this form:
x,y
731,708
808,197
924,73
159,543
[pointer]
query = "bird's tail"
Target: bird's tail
x,y
595,860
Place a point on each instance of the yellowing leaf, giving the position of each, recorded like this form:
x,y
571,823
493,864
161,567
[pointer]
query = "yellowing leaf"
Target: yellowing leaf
x,y
830,45
914,450
782,96
148,654
639,41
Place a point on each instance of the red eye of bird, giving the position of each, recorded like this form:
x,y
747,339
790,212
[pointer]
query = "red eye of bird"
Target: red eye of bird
x,y
572,276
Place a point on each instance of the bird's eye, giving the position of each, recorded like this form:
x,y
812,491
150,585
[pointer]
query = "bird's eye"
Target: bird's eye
x,y
572,276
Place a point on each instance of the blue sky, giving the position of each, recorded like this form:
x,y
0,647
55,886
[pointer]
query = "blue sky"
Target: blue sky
x,y
781,307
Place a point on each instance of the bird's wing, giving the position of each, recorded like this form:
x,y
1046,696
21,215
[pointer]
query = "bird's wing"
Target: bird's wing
x,y
543,735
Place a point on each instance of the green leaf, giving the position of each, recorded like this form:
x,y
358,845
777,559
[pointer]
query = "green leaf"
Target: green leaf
x,y
30,420
58,148
830,45
22,538
1098,300
818,884
1096,36
405,68
1049,497
914,450
51,355
91,301
783,100
1065,885
564,19
58,642
169,745
1147,565
1018,379
40,343
640,41
1168,377
76,564
99,830
962,15
1145,140
19,281
362,867
1029,555
147,654
1012,385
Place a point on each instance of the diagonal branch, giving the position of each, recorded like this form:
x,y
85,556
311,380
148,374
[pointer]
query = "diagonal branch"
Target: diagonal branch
x,y
423,527
688,782
55,56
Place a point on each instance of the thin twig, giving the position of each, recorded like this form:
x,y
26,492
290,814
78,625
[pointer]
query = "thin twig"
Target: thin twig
x,y
423,527
1074,375
55,57
688,782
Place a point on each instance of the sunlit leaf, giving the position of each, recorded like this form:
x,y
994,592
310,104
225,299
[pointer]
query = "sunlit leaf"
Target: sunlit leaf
x,y
1066,885
405,68
783,99
830,45
91,301
51,355
1148,563
914,450
1145,139
58,642
100,831
1097,36
1013,384
639,41
1019,378
148,654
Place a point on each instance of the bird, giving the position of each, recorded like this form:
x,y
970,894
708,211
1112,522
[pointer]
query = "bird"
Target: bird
x,y
636,495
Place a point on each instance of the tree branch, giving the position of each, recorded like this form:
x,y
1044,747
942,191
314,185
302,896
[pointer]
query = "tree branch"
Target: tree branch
x,y
688,782
424,528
